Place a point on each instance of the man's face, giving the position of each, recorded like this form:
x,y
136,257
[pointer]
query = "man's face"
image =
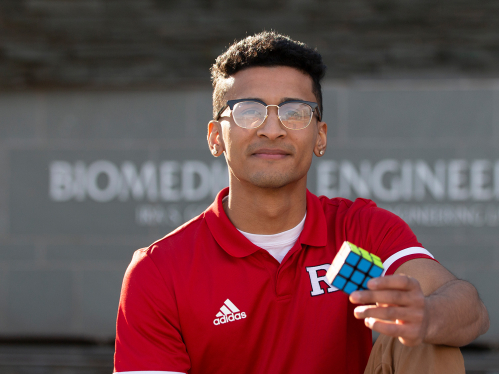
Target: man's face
x,y
270,156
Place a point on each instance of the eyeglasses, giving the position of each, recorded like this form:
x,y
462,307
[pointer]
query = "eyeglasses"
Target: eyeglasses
x,y
251,113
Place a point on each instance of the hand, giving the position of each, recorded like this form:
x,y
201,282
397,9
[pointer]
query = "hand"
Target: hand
x,y
400,308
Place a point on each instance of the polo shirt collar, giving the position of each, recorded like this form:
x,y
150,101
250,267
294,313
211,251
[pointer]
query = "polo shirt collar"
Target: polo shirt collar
x,y
236,244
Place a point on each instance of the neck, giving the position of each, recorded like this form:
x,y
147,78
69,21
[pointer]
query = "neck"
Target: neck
x,y
266,211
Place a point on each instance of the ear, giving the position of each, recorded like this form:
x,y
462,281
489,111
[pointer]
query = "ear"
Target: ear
x,y
321,143
215,139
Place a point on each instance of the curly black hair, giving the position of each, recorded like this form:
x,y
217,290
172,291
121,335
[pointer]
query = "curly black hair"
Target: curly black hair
x,y
267,48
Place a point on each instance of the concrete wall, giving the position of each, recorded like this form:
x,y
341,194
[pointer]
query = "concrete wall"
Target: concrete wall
x,y
123,43
88,177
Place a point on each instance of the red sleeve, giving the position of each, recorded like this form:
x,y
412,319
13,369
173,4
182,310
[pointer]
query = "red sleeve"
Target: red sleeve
x,y
148,333
384,234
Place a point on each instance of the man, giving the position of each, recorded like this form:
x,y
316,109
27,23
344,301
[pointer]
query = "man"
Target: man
x,y
241,288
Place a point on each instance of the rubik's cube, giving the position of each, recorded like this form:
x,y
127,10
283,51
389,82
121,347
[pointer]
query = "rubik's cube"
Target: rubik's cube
x,y
352,268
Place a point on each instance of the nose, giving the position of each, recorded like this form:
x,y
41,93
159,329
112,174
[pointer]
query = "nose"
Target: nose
x,y
271,127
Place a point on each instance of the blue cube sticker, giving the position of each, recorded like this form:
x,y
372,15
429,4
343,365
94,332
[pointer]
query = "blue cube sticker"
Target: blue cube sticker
x,y
364,265
339,282
352,268
346,270
364,285
350,287
352,259
375,271
357,277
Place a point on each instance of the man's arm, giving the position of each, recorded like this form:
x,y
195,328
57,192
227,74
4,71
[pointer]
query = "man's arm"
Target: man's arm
x,y
148,331
423,302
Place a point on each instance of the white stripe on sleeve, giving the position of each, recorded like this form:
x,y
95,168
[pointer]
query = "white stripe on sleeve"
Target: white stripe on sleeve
x,y
147,372
405,252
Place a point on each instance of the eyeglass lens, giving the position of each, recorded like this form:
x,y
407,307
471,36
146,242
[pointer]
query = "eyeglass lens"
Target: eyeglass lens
x,y
251,114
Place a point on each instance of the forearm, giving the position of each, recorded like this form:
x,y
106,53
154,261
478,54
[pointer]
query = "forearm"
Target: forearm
x,y
424,302
456,315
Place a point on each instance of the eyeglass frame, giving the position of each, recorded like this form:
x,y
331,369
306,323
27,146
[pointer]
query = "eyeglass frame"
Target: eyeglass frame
x,y
231,103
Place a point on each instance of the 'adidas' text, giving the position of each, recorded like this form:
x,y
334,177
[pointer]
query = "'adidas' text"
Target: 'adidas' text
x,y
228,313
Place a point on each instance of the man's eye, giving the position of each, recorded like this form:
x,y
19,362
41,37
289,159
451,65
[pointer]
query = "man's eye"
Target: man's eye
x,y
251,113
293,114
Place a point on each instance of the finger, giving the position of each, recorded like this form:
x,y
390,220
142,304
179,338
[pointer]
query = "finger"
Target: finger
x,y
390,297
390,313
361,311
384,305
408,334
393,282
358,297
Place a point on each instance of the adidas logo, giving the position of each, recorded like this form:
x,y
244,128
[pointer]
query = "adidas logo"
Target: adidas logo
x,y
228,313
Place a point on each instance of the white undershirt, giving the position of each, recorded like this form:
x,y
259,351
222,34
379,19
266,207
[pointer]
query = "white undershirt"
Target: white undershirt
x,y
278,245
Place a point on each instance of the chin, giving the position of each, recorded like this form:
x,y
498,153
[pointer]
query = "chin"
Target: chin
x,y
264,180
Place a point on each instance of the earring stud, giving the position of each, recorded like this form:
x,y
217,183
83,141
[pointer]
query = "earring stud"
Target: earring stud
x,y
321,152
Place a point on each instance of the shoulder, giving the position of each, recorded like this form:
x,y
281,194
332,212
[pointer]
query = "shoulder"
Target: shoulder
x,y
347,209
367,225
184,231
183,236
174,248
343,203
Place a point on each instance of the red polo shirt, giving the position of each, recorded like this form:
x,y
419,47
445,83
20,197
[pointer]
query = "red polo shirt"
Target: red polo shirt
x,y
204,299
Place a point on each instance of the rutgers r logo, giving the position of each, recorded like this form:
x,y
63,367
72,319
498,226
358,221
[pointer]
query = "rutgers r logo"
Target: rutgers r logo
x,y
316,279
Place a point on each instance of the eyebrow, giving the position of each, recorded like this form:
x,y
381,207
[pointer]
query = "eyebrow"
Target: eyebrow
x,y
282,100
291,98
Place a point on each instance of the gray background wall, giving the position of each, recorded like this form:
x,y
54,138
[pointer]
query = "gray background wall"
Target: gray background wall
x,y
104,106
68,228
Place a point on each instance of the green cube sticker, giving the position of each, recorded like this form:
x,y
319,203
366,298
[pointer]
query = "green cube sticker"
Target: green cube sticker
x,y
354,248
366,255
377,261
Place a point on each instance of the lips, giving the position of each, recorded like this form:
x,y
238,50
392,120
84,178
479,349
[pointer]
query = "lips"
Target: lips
x,y
271,153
